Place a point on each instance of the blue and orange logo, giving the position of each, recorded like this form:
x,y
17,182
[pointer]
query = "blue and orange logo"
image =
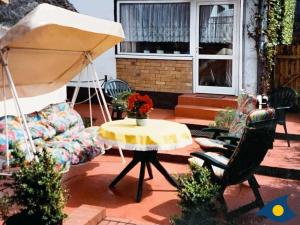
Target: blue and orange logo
x,y
277,210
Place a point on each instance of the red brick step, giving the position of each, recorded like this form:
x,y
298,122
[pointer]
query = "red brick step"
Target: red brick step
x,y
203,107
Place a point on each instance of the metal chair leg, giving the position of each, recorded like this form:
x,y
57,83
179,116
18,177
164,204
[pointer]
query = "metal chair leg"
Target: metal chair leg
x,y
254,186
286,134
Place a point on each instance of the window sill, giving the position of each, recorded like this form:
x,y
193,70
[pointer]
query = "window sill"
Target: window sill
x,y
156,56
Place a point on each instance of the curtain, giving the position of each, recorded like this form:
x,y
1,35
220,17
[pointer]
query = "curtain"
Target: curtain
x,y
155,22
216,26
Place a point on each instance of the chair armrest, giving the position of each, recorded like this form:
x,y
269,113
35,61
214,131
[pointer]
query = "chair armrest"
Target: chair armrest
x,y
233,140
230,147
209,159
216,131
283,107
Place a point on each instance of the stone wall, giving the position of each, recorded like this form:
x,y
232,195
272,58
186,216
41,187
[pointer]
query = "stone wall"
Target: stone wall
x,y
157,75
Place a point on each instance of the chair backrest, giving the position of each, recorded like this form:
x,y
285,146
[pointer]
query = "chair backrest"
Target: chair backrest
x,y
257,138
115,87
282,97
246,104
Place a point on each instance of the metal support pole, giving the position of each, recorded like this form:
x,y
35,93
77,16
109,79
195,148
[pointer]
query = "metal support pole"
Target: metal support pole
x,y
76,91
90,102
6,125
16,98
95,75
99,101
102,97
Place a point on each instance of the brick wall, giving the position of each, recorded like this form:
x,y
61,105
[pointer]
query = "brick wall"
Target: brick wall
x,y
156,75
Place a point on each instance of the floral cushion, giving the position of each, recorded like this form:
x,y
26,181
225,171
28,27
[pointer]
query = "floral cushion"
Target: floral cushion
x,y
261,115
62,157
15,129
57,128
90,141
54,108
40,129
246,104
63,120
207,143
3,143
79,150
33,117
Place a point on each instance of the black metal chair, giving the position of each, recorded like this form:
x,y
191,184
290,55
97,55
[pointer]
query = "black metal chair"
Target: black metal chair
x,y
113,89
282,99
257,138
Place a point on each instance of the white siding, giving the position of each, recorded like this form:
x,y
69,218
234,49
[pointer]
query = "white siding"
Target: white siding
x,y
104,9
249,56
106,64
34,103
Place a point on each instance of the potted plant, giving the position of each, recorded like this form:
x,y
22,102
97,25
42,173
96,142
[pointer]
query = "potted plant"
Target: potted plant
x,y
120,103
198,198
224,118
139,107
37,191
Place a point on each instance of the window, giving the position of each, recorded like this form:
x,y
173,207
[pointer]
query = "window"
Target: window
x,y
155,28
216,29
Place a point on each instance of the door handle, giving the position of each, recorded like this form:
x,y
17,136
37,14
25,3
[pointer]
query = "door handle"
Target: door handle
x,y
197,49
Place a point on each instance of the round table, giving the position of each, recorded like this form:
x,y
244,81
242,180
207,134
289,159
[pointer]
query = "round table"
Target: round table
x,y
145,142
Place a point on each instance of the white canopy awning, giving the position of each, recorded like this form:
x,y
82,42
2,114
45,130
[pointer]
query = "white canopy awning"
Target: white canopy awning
x,y
48,47
4,1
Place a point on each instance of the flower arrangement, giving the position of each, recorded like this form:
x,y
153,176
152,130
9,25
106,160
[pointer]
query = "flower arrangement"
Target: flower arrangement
x,y
139,106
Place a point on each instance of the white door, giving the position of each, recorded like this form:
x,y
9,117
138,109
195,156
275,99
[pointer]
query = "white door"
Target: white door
x,y
217,47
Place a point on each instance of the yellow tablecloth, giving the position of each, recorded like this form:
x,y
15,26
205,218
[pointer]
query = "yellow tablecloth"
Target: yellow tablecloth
x,y
156,135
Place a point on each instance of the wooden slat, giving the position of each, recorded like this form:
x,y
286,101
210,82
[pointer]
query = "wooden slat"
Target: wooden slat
x,y
288,66
288,56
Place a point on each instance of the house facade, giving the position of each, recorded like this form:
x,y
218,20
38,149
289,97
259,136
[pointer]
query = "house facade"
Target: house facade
x,y
179,46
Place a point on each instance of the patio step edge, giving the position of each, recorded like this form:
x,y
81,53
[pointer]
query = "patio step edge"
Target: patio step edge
x,y
200,112
86,215
223,102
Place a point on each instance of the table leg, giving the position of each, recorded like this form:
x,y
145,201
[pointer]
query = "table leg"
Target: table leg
x,y
124,172
164,172
141,180
146,158
149,170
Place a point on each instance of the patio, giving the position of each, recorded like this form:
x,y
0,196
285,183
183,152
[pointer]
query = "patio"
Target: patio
x,y
89,183
170,66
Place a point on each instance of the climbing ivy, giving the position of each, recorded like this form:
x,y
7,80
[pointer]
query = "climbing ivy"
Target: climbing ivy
x,y
288,21
278,30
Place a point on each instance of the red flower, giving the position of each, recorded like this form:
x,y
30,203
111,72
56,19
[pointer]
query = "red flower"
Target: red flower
x,y
139,105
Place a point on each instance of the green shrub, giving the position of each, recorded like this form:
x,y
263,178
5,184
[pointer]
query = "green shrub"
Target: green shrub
x,y
198,198
37,191
121,101
224,118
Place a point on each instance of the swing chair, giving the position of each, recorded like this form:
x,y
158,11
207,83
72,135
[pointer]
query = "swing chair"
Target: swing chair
x,y
43,52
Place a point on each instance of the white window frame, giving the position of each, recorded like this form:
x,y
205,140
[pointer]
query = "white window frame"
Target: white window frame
x,y
156,55
235,57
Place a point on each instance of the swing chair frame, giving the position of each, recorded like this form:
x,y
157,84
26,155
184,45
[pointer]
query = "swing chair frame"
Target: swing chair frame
x,y
55,37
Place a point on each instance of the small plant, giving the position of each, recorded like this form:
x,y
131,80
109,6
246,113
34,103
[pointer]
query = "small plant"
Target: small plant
x,y
121,101
87,121
198,198
224,118
139,106
5,206
37,191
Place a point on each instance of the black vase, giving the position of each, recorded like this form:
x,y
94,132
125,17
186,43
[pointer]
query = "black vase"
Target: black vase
x,y
23,218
